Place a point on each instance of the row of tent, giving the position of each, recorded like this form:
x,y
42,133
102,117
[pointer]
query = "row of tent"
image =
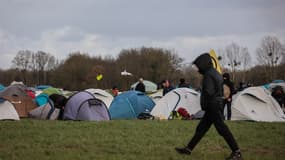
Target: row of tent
x,y
254,103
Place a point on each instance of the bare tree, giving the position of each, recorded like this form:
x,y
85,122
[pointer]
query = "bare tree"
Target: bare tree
x,y
236,57
270,53
43,62
21,62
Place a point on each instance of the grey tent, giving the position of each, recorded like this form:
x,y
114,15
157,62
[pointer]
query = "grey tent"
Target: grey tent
x,y
47,111
85,106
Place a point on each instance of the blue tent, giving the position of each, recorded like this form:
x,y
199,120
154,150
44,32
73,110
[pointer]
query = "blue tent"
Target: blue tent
x,y
42,87
1,87
278,81
41,99
128,105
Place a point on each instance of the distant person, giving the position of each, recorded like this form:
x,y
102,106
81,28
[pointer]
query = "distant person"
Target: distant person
x,y
242,86
59,102
115,91
140,86
279,95
166,86
182,83
228,94
211,100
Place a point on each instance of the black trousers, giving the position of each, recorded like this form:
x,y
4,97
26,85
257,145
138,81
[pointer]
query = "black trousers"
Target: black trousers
x,y
229,109
216,118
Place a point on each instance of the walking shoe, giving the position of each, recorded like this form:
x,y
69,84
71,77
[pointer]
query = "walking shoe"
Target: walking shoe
x,y
184,150
234,156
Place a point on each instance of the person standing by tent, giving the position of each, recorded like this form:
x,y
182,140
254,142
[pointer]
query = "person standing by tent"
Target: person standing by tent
x,y
229,90
167,87
115,91
211,102
140,86
182,83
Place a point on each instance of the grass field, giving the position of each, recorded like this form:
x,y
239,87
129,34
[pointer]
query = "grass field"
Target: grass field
x,y
133,139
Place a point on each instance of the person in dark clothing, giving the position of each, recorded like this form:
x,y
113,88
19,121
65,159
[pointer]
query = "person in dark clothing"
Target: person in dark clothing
x,y
59,102
211,102
182,83
279,95
140,86
166,87
228,99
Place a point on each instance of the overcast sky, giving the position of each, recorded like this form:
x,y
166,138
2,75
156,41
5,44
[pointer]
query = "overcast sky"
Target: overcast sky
x,y
104,27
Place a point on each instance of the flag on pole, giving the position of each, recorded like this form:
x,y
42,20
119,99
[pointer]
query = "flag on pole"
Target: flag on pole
x,y
215,61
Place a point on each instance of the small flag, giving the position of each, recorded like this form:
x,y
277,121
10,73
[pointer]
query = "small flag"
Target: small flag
x,y
99,77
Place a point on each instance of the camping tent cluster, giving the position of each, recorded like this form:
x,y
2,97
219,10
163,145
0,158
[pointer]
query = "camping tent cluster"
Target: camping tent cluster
x,y
254,104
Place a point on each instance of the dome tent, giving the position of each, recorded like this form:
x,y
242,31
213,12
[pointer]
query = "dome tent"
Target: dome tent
x,y
129,104
8,111
178,98
256,104
85,106
150,87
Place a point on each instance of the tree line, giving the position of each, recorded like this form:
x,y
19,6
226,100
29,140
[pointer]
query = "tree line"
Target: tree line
x,y
80,70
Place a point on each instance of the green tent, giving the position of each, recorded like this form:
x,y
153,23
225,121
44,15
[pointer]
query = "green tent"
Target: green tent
x,y
49,91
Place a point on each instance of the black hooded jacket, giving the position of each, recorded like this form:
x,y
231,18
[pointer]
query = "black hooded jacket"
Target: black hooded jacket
x,y
212,84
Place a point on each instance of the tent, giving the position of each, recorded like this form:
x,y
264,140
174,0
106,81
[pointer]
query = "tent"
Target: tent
x,y
156,96
2,87
256,104
14,90
41,99
47,111
42,87
129,104
7,111
270,86
85,106
17,95
150,87
104,96
180,97
49,91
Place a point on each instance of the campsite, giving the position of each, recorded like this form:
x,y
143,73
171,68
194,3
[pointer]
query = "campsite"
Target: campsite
x,y
142,80
97,125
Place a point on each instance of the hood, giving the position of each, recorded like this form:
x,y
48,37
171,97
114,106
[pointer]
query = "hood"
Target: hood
x,y
203,62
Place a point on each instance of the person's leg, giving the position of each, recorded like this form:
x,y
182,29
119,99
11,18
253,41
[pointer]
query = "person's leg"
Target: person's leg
x,y
224,131
229,105
201,129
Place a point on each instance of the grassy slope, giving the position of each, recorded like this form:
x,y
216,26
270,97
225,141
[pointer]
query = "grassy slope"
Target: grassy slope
x,y
128,140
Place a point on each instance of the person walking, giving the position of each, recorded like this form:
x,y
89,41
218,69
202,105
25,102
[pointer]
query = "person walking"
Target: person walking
x,y
211,102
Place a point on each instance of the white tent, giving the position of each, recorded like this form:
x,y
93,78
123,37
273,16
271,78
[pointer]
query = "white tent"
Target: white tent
x,y
156,96
180,97
8,111
150,87
104,96
256,103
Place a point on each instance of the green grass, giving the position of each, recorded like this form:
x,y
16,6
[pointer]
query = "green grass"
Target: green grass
x,y
133,139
